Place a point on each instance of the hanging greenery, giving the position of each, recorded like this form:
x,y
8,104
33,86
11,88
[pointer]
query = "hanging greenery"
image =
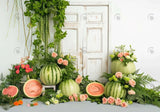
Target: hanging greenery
x,y
40,11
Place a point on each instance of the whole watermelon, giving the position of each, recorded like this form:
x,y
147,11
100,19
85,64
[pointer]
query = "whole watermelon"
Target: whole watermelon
x,y
115,90
51,75
118,66
69,87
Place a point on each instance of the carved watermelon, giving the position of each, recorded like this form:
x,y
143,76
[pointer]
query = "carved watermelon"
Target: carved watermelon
x,y
118,66
11,91
51,75
95,89
32,88
69,87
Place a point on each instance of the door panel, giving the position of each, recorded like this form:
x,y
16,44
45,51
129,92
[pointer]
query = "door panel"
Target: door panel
x,y
87,38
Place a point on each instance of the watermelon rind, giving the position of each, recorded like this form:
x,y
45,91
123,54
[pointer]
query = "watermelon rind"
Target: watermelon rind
x,y
25,86
69,87
51,75
12,92
115,90
93,83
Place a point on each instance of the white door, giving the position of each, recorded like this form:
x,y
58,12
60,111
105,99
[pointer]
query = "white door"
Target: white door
x,y
87,38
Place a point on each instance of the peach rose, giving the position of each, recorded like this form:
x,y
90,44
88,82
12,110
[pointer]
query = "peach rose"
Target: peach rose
x,y
54,55
79,79
82,97
22,60
118,101
132,82
60,61
126,54
104,100
131,92
86,96
110,100
120,54
121,59
65,62
71,98
118,74
124,104
75,97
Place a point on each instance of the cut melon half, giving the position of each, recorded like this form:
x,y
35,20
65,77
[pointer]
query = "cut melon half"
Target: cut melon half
x,y
10,91
32,88
95,89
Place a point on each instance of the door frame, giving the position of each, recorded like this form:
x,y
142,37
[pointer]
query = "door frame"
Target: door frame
x,y
102,3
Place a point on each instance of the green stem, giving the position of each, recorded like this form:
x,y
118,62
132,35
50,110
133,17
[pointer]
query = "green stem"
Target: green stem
x,y
59,48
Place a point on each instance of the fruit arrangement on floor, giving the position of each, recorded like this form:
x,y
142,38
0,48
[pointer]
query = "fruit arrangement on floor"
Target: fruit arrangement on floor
x,y
49,67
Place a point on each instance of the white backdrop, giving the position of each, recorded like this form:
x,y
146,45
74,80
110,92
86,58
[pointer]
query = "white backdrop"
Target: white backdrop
x,y
135,22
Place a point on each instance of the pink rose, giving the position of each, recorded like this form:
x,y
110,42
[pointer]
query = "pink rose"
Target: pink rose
x,y
120,54
131,92
110,100
86,96
124,104
28,105
104,100
79,79
82,97
121,59
27,66
118,101
71,98
54,55
17,67
126,54
65,62
60,61
118,74
132,82
75,97
23,66
17,71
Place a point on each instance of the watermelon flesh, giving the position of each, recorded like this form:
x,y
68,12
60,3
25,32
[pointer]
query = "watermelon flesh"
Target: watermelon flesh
x,y
32,88
95,89
11,91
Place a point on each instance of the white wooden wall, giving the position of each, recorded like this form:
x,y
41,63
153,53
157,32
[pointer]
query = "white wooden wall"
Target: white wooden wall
x,y
134,22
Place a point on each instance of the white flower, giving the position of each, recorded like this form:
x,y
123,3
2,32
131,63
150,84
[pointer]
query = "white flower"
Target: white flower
x,y
56,101
128,57
134,57
52,100
59,91
47,103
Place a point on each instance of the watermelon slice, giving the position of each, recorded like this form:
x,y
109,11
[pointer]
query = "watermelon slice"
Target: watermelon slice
x,y
32,88
95,89
11,91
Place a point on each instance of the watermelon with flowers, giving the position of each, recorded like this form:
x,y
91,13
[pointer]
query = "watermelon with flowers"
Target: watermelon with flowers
x,y
123,60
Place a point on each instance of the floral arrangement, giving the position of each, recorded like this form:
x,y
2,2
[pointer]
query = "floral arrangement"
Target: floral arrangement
x,y
123,55
135,85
